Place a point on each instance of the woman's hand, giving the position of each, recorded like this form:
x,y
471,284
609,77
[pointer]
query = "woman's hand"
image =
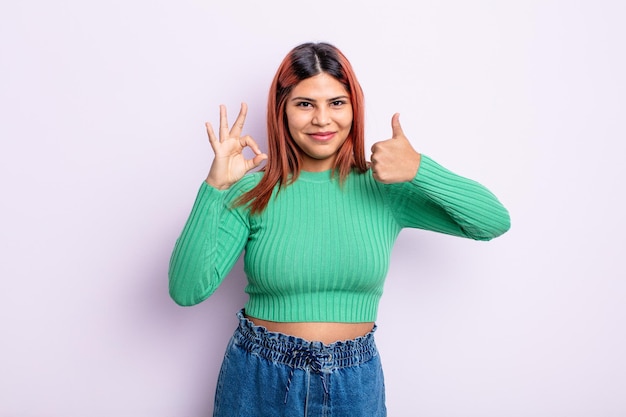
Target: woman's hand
x,y
394,160
229,164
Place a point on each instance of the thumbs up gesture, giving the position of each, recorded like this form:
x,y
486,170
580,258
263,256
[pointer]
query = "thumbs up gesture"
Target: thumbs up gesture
x,y
394,160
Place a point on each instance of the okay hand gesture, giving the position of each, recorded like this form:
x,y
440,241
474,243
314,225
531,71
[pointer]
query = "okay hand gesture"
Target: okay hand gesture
x,y
229,164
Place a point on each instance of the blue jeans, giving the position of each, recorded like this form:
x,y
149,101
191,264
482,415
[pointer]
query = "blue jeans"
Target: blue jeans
x,y
272,374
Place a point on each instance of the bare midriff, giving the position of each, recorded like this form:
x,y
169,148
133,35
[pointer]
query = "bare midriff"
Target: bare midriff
x,y
313,331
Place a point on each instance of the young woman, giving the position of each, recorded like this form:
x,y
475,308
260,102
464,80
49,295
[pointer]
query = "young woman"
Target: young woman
x,y
317,224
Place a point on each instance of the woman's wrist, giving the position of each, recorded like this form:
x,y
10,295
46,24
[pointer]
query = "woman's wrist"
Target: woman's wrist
x,y
218,185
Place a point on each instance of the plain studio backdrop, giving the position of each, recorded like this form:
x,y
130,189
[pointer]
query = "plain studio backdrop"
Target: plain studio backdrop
x,y
103,149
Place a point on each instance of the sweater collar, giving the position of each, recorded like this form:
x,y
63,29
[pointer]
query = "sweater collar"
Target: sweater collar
x,y
321,176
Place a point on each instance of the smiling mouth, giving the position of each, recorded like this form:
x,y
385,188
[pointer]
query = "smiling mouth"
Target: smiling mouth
x,y
322,136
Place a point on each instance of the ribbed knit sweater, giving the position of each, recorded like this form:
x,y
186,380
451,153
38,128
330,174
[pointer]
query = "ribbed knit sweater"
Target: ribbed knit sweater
x,y
320,250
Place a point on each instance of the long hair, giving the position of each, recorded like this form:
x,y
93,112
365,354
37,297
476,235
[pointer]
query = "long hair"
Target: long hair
x,y
284,156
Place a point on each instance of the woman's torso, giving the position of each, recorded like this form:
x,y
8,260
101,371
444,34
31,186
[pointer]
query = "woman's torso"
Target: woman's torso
x,y
325,332
319,253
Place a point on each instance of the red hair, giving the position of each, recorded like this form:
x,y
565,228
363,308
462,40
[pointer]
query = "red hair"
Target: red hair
x,y
284,156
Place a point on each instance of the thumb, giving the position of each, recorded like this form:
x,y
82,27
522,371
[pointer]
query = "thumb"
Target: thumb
x,y
258,159
395,126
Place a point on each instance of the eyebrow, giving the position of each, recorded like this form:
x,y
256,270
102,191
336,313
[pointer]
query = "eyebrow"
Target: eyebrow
x,y
310,99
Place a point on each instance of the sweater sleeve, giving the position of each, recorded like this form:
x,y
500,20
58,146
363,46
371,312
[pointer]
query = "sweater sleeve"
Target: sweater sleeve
x,y
441,201
208,247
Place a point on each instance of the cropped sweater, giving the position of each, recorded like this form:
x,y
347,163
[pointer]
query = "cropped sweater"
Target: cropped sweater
x,y
320,250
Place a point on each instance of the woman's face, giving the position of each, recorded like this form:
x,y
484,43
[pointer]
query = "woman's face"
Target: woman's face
x,y
319,115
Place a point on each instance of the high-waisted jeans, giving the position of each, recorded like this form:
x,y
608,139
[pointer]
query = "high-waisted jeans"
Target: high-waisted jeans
x,y
272,374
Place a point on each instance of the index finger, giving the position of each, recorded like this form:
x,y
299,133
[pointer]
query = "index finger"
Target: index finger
x,y
239,122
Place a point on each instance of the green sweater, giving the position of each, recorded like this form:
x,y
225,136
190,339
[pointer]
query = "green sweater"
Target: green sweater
x,y
320,250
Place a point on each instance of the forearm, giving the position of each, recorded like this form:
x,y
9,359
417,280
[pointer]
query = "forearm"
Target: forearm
x,y
204,253
475,209
442,201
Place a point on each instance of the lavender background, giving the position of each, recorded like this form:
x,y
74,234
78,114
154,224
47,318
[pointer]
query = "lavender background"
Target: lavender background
x,y
102,150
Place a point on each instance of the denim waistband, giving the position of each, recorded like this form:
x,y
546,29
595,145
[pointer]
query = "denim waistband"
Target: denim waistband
x,y
296,352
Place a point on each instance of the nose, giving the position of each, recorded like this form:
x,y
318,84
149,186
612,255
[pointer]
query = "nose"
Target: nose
x,y
321,117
